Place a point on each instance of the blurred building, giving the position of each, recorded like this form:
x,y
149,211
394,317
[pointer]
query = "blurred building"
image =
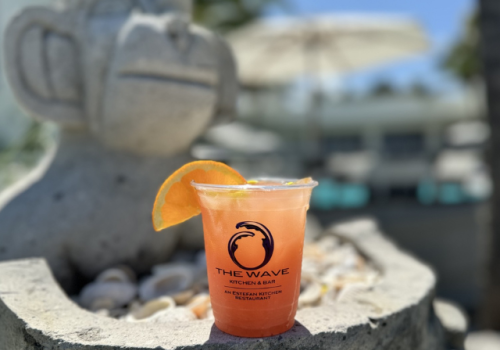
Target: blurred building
x,y
413,162
13,122
394,143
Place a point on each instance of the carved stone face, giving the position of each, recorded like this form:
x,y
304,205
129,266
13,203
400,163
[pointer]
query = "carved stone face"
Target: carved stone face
x,y
135,73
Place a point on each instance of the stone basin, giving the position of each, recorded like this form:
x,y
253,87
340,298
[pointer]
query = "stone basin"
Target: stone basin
x,y
396,313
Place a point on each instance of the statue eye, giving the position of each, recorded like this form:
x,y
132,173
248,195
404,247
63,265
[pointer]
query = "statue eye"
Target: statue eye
x,y
113,7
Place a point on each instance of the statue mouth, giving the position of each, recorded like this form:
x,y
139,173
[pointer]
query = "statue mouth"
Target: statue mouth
x,y
166,79
188,76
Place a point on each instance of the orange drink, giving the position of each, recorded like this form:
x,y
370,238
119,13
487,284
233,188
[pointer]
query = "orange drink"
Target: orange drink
x,y
254,235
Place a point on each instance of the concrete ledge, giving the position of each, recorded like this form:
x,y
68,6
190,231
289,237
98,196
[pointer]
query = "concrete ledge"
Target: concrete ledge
x,y
394,314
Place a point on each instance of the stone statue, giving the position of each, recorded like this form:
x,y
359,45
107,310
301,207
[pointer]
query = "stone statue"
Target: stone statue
x,y
131,83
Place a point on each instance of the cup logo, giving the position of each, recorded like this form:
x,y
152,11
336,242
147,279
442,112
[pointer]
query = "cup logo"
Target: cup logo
x,y
267,242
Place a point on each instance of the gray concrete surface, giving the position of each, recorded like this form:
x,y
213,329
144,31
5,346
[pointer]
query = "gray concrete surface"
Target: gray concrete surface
x,y
394,314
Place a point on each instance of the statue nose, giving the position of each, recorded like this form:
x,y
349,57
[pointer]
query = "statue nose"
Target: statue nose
x,y
178,32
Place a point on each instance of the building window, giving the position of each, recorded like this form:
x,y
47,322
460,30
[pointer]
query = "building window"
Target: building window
x,y
343,143
408,144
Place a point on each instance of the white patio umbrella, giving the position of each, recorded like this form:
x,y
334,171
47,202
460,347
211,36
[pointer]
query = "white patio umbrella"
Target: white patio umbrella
x,y
278,50
275,51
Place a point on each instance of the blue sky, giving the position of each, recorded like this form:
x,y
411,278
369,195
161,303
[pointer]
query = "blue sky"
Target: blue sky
x,y
442,19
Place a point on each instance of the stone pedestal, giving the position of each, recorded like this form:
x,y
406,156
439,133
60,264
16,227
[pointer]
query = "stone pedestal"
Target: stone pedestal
x,y
90,210
396,313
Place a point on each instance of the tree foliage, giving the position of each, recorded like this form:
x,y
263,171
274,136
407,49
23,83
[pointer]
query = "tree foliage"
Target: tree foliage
x,y
226,15
463,59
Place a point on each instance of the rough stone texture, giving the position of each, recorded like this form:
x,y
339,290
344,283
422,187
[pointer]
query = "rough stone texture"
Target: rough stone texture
x,y
141,79
131,89
394,314
91,210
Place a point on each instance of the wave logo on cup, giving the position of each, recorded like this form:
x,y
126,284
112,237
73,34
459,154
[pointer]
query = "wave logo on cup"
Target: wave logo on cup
x,y
267,243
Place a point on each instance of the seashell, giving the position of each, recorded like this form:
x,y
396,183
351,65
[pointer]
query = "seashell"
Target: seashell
x,y
109,295
307,278
161,268
201,284
372,277
151,308
333,275
360,263
105,303
210,314
200,305
329,295
350,279
183,297
116,274
179,314
167,280
352,291
328,244
345,255
311,268
313,252
351,261
311,295
134,305
102,312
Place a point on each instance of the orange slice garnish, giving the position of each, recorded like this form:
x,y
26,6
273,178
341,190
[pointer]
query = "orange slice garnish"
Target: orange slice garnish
x,y
176,200
303,181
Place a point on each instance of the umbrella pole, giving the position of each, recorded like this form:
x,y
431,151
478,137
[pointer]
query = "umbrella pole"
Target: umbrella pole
x,y
312,62
317,107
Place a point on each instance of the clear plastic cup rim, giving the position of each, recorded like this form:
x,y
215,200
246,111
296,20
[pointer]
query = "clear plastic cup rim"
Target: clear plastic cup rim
x,y
282,185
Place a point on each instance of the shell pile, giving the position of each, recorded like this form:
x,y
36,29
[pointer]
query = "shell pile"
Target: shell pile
x,y
178,291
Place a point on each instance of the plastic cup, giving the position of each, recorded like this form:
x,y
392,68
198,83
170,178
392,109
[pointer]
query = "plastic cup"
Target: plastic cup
x,y
254,237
